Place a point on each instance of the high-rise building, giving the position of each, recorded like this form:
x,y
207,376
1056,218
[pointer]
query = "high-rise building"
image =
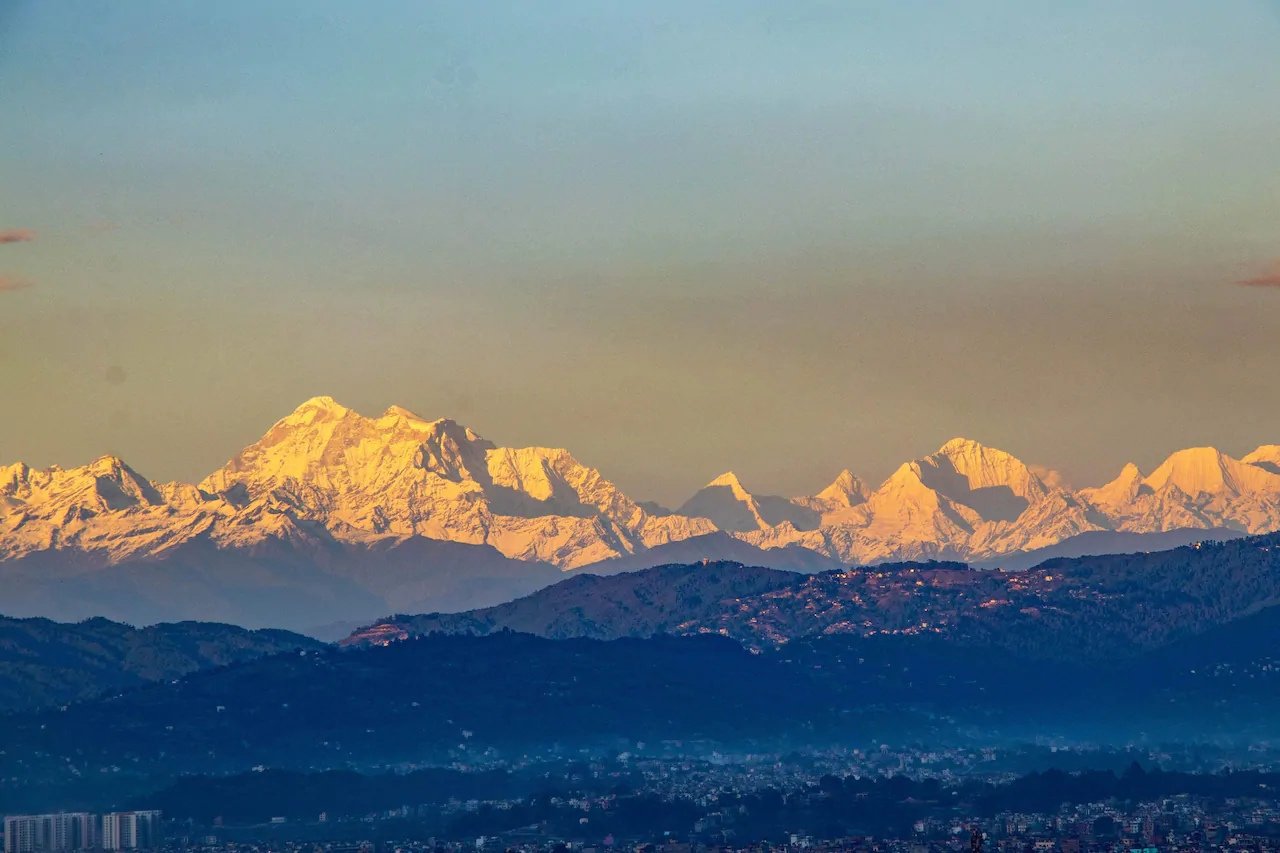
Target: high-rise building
x,y
23,834
68,831
49,833
147,829
131,830
113,832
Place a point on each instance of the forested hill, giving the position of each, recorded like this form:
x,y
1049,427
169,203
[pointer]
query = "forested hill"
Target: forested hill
x,y
1077,609
45,663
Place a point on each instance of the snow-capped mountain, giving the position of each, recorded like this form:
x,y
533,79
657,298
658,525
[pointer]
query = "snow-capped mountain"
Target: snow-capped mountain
x,y
326,479
1267,456
973,502
327,471
727,504
401,475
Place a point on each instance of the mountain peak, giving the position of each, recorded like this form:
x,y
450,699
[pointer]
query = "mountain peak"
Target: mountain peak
x,y
107,464
12,475
959,444
456,431
1192,469
1266,457
1130,472
1200,470
394,411
965,455
994,483
845,490
728,478
323,402
1121,491
316,410
727,503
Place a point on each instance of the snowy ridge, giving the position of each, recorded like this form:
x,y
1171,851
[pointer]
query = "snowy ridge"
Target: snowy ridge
x,y
326,473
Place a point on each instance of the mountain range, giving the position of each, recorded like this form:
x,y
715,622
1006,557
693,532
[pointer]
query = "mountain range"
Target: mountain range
x,y
335,516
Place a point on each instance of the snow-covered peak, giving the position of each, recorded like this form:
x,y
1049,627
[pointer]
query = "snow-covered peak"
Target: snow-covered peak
x,y
730,481
401,475
984,467
1129,474
996,485
960,446
845,491
325,445
1266,456
327,470
905,486
12,475
735,509
323,405
1207,470
106,483
109,466
401,412
1120,491
727,503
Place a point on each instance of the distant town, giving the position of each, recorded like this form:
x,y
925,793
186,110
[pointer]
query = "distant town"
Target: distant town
x,y
898,799
1182,823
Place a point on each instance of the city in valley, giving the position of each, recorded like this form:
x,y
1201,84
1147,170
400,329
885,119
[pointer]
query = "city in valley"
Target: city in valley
x,y
884,799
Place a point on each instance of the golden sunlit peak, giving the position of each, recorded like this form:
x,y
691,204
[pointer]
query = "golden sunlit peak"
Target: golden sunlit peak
x,y
728,478
1197,470
846,479
323,403
317,410
1130,473
1266,455
961,444
402,412
107,462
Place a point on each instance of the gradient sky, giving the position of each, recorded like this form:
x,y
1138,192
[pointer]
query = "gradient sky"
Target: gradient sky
x,y
677,238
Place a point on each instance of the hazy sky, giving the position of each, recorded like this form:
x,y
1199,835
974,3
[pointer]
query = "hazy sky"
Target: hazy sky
x,y
677,238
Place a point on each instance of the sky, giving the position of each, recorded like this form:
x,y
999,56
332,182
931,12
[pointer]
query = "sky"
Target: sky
x,y
677,238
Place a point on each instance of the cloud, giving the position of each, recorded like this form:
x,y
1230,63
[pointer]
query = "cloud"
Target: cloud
x,y
1052,478
10,282
1270,278
17,235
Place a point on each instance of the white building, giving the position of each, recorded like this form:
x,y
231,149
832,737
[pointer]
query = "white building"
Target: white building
x,y
70,831
23,834
130,830
54,833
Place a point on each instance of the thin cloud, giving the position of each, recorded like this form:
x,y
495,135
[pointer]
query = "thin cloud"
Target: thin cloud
x,y
17,235
1052,478
1270,278
9,283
